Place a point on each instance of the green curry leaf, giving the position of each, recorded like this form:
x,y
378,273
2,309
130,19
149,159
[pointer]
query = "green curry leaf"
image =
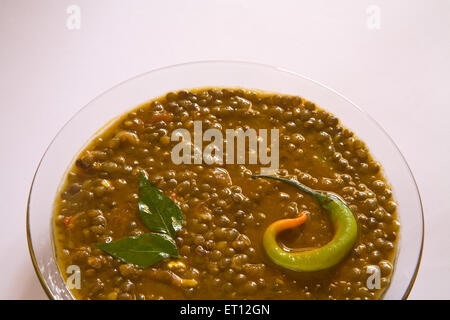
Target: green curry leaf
x,y
162,216
143,250
158,212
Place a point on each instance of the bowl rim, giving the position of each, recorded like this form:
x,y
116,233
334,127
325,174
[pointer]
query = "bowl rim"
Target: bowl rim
x,y
214,61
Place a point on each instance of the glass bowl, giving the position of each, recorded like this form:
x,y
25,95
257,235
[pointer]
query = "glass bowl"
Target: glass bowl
x,y
91,120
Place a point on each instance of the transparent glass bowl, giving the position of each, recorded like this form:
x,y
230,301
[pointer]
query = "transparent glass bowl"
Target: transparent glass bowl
x,y
76,134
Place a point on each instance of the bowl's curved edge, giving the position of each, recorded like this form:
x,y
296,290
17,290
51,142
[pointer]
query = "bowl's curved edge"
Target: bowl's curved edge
x,y
29,242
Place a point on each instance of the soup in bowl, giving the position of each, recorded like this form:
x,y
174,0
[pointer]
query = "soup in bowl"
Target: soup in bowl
x,y
182,169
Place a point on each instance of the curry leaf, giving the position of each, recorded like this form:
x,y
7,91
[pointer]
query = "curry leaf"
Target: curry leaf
x,y
143,250
158,212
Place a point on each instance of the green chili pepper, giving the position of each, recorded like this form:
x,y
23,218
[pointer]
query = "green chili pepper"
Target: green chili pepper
x,y
332,253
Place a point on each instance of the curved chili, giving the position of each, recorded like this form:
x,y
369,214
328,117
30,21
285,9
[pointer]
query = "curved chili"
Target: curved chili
x,y
332,253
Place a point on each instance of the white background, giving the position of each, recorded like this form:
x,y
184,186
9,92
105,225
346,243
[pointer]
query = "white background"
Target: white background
x,y
400,74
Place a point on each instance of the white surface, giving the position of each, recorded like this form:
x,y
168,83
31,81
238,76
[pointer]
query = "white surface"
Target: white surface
x,y
400,74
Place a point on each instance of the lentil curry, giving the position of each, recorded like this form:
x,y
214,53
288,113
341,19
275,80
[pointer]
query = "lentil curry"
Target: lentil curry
x,y
225,209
